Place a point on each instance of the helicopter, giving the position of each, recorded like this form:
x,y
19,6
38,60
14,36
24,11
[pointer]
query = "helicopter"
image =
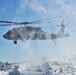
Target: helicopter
x,y
30,32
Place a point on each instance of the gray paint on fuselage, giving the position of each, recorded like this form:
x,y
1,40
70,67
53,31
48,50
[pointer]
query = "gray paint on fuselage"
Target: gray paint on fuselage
x,y
27,33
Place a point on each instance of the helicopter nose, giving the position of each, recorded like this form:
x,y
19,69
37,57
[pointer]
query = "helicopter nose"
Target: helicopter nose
x,y
4,36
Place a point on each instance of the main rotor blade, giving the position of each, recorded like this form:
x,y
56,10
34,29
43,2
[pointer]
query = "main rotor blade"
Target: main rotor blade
x,y
8,22
16,24
23,22
27,22
38,21
45,19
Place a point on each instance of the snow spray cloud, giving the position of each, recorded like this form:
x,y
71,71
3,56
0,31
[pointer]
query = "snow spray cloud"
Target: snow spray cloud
x,y
65,46
3,73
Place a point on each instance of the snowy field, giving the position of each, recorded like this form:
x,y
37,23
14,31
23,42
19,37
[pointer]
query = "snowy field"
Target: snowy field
x,y
47,68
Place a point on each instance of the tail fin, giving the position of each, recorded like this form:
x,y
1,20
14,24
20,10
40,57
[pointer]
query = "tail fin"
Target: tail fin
x,y
62,30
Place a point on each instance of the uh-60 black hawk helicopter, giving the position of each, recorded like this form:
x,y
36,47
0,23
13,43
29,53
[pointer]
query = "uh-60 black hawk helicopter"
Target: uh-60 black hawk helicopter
x,y
30,32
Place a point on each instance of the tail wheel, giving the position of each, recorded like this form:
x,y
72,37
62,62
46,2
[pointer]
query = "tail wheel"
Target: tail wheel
x,y
15,42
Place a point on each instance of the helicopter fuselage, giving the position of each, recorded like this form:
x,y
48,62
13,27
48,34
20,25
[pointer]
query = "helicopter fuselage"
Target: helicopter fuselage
x,y
32,33
27,33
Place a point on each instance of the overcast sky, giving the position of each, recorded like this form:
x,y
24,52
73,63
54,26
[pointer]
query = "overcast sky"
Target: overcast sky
x,y
31,10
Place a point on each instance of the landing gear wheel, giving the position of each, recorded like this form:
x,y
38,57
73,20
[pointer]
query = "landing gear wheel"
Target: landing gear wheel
x,y
15,42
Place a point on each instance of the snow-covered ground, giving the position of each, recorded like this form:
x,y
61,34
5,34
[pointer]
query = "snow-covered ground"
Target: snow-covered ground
x,y
46,68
